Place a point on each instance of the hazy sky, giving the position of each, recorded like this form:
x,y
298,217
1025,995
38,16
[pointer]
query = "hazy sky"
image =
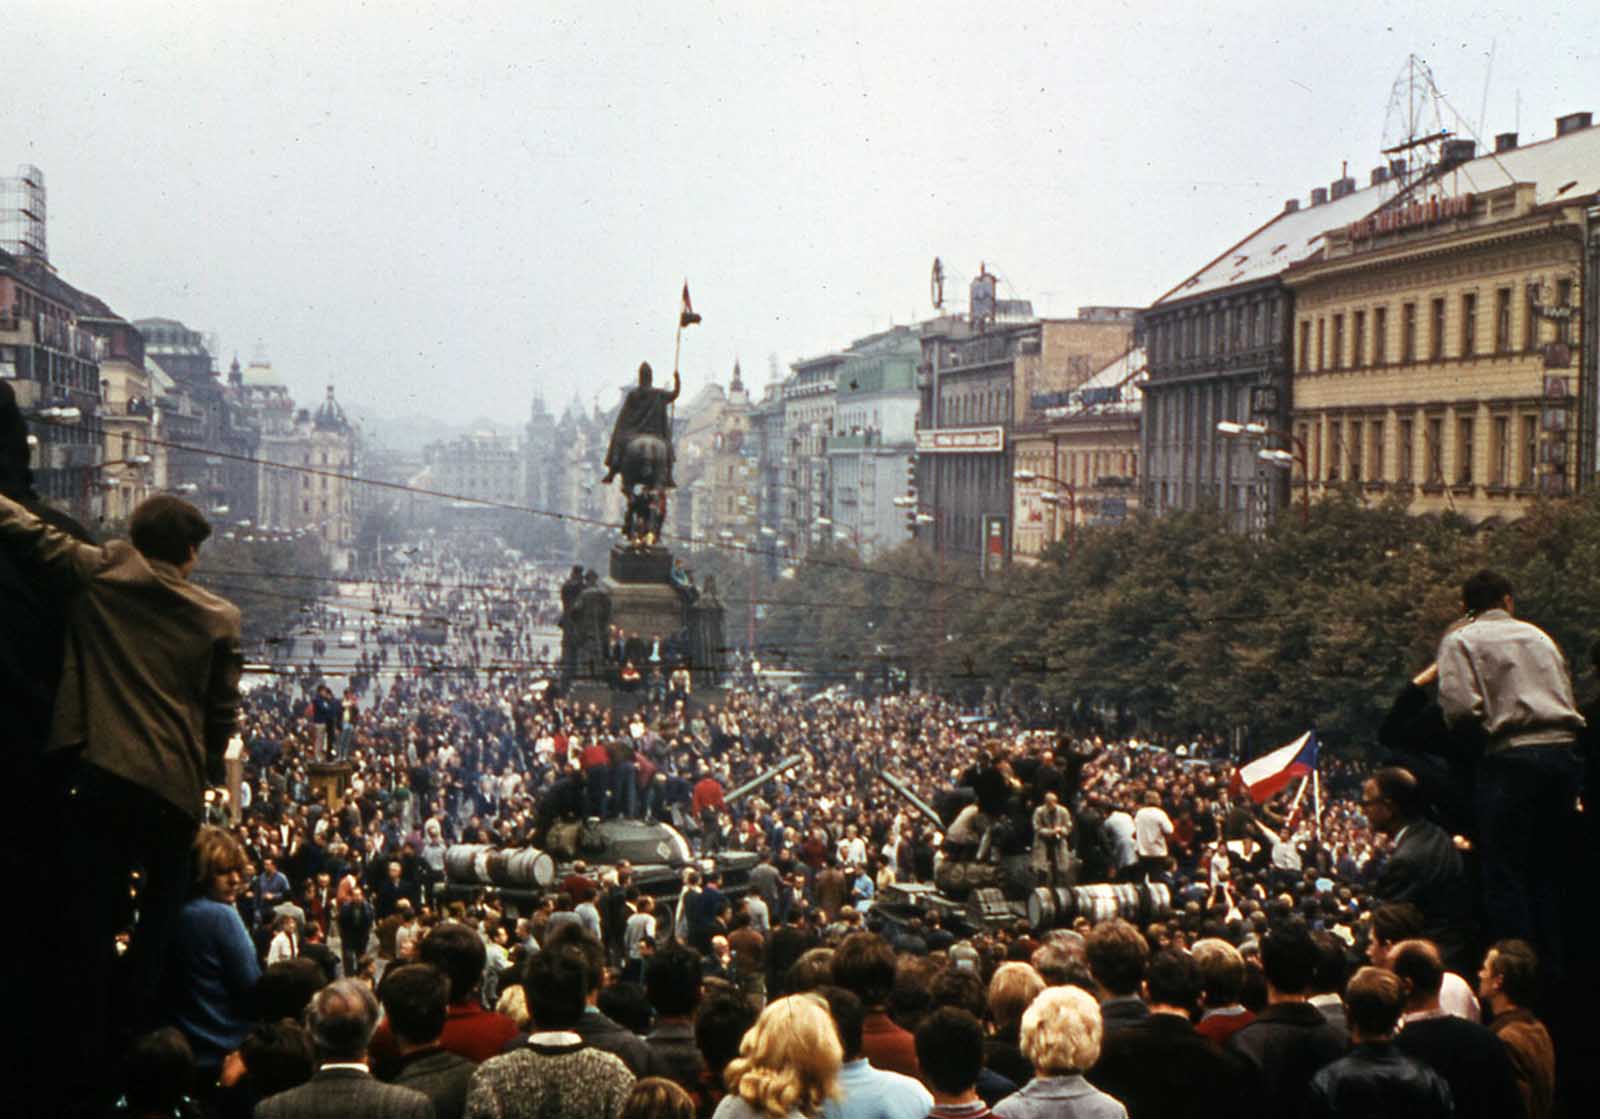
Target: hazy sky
x,y
443,208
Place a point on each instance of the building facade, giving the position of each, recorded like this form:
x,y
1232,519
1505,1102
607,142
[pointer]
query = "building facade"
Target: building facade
x,y
809,399
1083,452
132,466
1439,342
874,441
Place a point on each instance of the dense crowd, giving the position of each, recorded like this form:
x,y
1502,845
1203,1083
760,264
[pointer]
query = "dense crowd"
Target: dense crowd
x,y
1321,947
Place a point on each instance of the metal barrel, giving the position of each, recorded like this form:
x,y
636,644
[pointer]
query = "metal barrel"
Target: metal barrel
x,y
460,860
1042,909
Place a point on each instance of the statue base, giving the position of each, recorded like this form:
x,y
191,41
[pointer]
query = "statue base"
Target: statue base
x,y
645,610
641,565
330,781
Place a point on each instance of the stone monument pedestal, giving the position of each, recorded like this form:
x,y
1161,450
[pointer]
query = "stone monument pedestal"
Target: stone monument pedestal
x,y
645,603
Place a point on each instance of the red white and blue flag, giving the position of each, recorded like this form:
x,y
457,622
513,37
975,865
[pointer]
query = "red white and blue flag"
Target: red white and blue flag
x,y
1271,773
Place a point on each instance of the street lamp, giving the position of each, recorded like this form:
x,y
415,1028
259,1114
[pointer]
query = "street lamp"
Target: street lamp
x,y
1071,492
1276,456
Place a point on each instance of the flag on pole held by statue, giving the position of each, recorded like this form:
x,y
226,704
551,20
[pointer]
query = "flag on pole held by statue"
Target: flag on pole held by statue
x,y
1272,772
687,317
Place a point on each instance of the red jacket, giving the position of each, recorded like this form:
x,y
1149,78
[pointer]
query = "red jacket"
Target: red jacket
x,y
707,794
594,755
887,1046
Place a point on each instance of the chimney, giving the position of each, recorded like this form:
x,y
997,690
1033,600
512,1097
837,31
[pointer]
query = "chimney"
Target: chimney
x,y
1397,169
1453,153
1319,195
1572,122
1291,205
1380,175
1505,142
1342,187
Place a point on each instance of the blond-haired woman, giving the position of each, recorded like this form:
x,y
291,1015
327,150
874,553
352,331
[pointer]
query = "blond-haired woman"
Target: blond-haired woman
x,y
1061,1032
787,1063
211,962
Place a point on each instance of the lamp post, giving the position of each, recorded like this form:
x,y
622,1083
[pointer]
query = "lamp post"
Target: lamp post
x,y
1071,492
1276,456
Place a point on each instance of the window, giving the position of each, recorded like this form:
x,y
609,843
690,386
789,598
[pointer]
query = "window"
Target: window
x,y
1380,335
1335,443
1408,332
1436,338
1316,451
1356,450
1469,324
1464,452
1434,450
1305,345
1253,332
1375,457
1338,341
1304,431
1502,321
1530,451
1500,451
1530,318
1564,299
1358,339
1322,344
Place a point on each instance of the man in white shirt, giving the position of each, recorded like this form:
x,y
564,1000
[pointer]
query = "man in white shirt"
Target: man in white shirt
x,y
1151,826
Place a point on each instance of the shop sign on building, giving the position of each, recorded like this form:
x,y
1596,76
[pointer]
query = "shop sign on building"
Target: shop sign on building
x,y
962,440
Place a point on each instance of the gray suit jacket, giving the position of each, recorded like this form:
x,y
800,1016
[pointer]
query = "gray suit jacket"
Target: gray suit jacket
x,y
150,683
345,1094
1059,1097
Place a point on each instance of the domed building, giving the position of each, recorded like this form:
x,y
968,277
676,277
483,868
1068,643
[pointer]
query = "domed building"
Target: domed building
x,y
317,498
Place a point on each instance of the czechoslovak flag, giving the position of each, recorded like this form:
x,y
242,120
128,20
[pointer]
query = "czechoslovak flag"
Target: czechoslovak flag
x,y
687,316
1269,774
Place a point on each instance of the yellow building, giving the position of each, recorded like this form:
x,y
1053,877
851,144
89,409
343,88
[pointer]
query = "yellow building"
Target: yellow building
x,y
1437,341
1078,462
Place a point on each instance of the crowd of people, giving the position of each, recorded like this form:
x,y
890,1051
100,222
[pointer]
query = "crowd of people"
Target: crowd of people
x,y
1353,951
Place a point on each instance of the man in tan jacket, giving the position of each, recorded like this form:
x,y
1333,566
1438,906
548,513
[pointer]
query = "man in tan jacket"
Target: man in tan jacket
x,y
149,697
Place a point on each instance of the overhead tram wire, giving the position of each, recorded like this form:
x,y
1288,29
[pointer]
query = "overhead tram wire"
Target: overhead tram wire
x,y
490,503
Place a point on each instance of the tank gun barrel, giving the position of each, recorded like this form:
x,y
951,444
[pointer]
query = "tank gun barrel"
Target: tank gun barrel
x,y
759,780
915,801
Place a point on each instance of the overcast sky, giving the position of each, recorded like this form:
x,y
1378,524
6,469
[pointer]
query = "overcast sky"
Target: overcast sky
x,y
444,208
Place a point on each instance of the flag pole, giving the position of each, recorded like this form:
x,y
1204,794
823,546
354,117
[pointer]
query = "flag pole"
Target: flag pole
x,y
1294,806
1316,801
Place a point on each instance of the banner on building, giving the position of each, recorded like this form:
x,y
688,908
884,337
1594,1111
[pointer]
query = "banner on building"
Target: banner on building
x,y
962,440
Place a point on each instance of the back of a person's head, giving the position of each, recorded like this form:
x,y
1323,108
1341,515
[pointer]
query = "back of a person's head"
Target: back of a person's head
x,y
459,953
277,1056
672,980
656,1097
415,1000
1333,964
1373,1000
1289,957
1516,965
1399,786
1221,971
1172,978
1418,966
341,1018
1011,990
1395,921
167,528
1484,590
848,1018
719,1026
950,1050
789,1060
1117,954
813,969
960,987
1061,1031
864,965
556,982
627,1005
912,996
585,942
1054,958
285,989
159,1072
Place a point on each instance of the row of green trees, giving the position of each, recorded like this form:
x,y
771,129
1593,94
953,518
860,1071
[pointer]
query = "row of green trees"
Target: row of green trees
x,y
1185,627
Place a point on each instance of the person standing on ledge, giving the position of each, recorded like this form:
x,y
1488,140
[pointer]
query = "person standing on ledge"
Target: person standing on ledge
x,y
149,697
1507,681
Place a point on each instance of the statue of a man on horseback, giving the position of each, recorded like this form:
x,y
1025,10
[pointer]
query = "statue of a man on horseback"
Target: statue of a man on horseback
x,y
641,451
